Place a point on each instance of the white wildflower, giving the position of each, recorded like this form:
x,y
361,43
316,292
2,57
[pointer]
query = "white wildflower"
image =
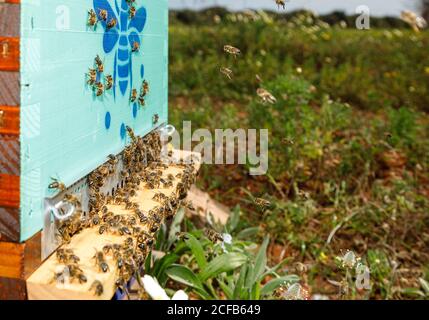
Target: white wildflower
x,y
156,292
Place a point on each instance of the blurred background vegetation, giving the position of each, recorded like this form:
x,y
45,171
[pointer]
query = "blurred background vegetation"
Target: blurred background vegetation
x,y
349,136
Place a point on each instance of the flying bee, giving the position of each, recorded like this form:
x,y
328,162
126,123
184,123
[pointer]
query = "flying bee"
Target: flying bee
x,y
100,261
226,72
57,185
155,118
133,95
213,235
92,18
112,23
102,14
262,204
92,77
281,3
109,82
266,96
97,287
132,12
99,64
99,89
232,50
287,141
136,46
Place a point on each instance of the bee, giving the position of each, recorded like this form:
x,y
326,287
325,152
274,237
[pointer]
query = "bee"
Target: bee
x,y
136,46
266,96
133,96
142,102
227,72
92,18
213,235
155,118
103,228
281,3
112,23
57,185
124,230
92,77
159,196
66,256
99,64
182,236
99,89
132,12
102,13
72,199
145,87
97,286
287,141
100,261
262,203
109,82
77,273
232,50
189,205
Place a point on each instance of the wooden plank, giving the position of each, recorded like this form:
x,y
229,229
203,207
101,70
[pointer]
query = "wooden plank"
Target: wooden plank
x,y
19,260
84,244
9,224
9,191
9,120
9,155
12,289
9,18
9,54
9,88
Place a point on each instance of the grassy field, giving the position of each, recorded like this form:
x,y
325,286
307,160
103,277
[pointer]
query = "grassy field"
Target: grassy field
x,y
349,141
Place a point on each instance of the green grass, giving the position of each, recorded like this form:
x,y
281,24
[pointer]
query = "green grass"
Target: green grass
x,y
360,151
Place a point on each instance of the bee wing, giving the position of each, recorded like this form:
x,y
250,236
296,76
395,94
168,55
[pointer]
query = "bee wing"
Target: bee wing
x,y
139,20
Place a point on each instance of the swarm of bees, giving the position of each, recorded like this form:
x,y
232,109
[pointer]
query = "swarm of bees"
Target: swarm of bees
x,y
92,78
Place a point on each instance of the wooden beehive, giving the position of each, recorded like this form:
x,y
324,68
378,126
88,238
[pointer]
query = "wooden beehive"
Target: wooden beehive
x,y
52,123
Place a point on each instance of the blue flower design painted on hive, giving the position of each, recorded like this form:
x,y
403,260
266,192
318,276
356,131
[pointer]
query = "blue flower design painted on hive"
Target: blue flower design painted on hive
x,y
120,39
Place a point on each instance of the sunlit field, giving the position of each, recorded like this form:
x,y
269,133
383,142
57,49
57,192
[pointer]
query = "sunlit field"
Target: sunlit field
x,y
348,154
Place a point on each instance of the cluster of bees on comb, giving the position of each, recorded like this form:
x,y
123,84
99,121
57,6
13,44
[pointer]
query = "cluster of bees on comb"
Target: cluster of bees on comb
x,y
141,166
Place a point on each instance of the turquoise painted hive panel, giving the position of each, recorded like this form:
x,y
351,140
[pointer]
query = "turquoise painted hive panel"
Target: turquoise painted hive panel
x,y
66,129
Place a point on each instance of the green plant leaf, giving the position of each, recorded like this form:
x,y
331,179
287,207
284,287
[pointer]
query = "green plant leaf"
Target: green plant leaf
x,y
175,227
161,265
272,285
247,233
197,250
223,263
148,264
261,261
233,219
184,275
227,290
239,290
